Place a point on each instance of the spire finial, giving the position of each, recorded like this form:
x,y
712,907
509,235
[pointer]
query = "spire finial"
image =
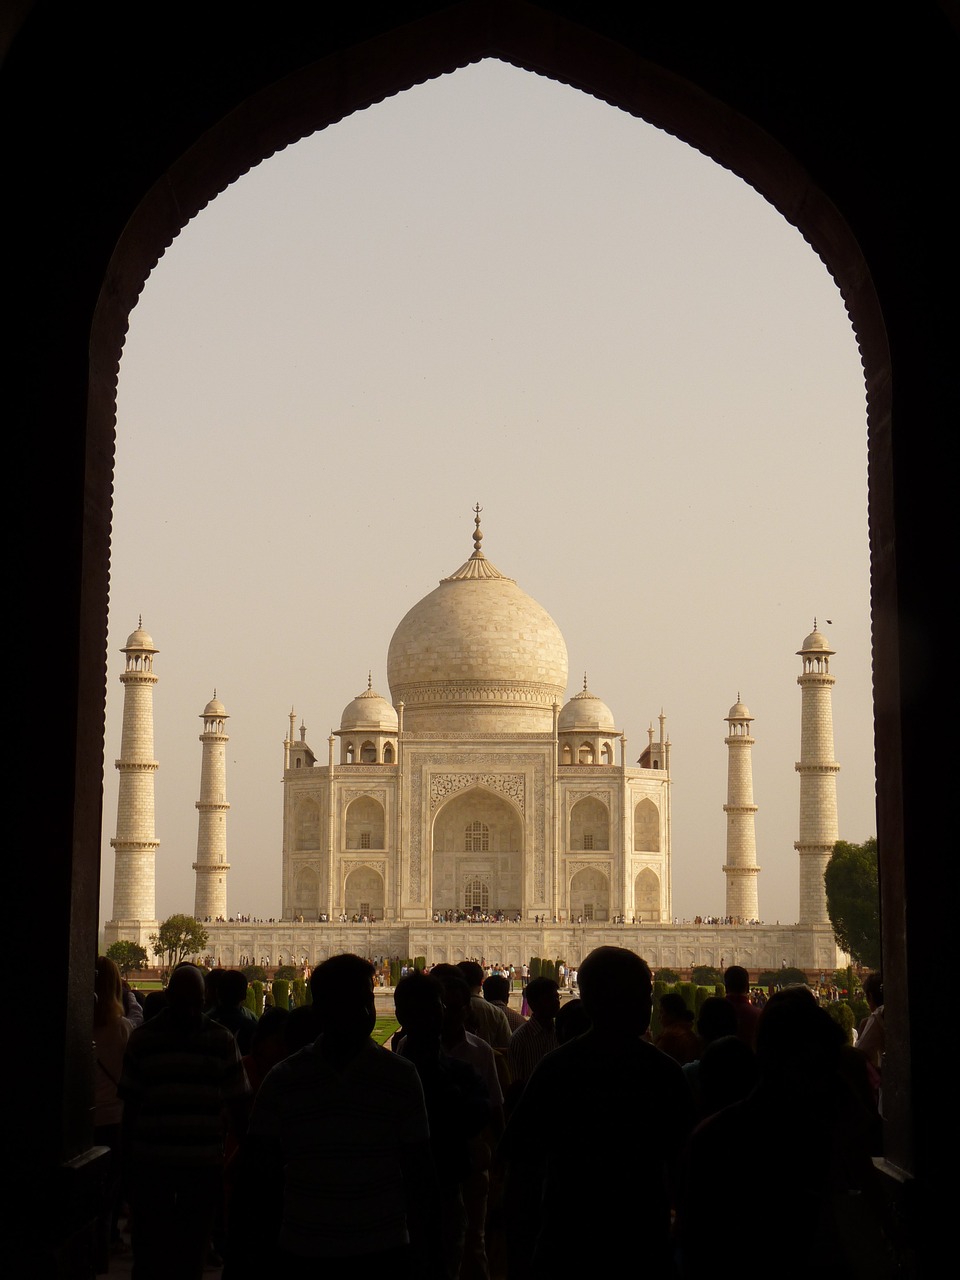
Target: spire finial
x,y
214,690
139,621
369,679
738,695
584,682
477,535
814,624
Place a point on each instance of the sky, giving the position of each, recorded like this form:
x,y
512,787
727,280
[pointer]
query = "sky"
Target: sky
x,y
491,288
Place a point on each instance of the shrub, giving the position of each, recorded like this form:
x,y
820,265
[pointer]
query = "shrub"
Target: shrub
x,y
281,993
286,971
255,989
668,976
535,969
299,989
255,973
420,963
841,1013
706,975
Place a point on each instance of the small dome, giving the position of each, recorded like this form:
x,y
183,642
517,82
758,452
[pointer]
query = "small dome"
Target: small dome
x,y
140,639
739,712
585,713
214,708
369,712
815,641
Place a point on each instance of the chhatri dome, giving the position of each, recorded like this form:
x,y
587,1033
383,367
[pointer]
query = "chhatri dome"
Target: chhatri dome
x,y
369,711
586,713
477,654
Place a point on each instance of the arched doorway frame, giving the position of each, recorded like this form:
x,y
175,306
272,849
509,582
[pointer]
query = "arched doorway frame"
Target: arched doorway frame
x,y
215,150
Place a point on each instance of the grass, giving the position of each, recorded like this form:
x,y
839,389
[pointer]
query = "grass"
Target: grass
x,y
384,1029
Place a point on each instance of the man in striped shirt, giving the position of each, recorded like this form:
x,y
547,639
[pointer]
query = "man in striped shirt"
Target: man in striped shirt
x,y
181,1075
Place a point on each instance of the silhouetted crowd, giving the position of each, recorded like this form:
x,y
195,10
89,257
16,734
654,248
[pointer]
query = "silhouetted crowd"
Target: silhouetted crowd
x,y
487,1142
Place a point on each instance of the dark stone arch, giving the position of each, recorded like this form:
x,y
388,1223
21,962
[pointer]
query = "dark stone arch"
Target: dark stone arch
x,y
811,122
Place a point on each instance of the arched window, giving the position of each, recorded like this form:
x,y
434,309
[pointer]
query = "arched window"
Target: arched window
x,y
388,754
567,754
585,754
368,753
476,837
476,895
606,754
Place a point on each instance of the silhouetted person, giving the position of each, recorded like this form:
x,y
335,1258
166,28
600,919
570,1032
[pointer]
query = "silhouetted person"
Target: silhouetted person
x,y
536,1038
181,1075
677,1036
496,990
341,1127
796,1149
736,982
567,1135
458,1108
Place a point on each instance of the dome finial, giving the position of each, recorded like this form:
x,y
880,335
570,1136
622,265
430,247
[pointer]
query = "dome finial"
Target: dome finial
x,y
477,535
369,679
139,621
584,682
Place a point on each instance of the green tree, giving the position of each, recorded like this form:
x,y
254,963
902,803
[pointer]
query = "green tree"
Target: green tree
x,y
126,955
177,937
853,900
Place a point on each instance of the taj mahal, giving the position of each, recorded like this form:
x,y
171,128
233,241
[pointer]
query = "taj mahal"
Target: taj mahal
x,y
477,812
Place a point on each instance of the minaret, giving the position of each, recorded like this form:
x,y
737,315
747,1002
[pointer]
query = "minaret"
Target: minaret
x,y
135,844
818,777
211,865
740,867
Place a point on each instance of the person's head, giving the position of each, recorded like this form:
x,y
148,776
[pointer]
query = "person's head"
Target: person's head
x,y
736,980
674,1011
496,989
232,988
456,996
472,973
543,997
796,1039
108,989
873,990
717,1017
343,1003
616,990
419,1003
186,990
572,1021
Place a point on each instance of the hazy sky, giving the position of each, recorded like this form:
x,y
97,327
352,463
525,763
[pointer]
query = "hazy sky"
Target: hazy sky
x,y
493,288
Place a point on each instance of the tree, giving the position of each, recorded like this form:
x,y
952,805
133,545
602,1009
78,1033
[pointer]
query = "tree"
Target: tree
x,y
126,955
853,900
177,937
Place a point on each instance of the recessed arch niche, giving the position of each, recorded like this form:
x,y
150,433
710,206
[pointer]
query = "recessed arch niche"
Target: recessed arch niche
x,y
478,835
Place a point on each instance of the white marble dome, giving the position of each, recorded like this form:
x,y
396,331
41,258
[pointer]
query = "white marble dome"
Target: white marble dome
x,y
477,654
369,712
140,639
586,713
214,708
